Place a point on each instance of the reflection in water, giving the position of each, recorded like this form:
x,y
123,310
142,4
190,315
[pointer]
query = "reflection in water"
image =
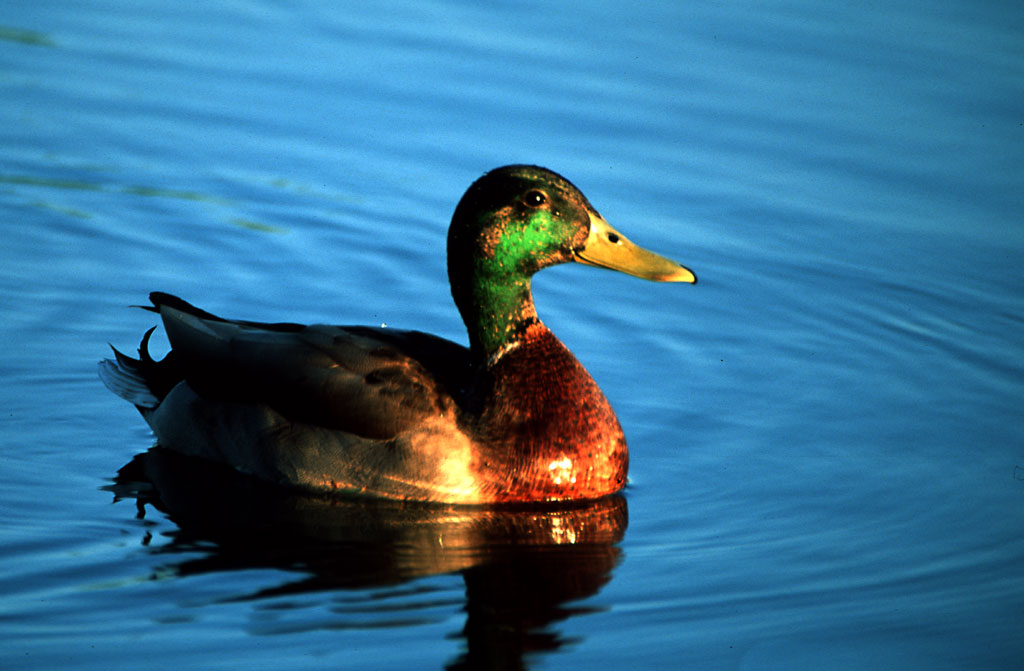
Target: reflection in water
x,y
31,37
130,189
59,184
521,565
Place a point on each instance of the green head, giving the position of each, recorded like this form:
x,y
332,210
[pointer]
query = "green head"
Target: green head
x,y
511,223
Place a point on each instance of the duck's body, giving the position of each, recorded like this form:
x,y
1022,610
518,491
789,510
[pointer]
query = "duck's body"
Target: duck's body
x,y
403,414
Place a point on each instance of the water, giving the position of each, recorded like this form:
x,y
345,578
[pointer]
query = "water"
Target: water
x,y
827,463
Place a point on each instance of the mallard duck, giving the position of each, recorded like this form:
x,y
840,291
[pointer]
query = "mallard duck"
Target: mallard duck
x,y
403,414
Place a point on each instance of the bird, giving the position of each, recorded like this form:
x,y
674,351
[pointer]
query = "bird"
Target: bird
x,y
405,415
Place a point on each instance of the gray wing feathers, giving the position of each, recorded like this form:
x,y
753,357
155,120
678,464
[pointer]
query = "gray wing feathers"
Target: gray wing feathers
x,y
125,381
326,375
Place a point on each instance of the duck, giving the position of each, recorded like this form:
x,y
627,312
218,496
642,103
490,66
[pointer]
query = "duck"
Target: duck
x,y
406,415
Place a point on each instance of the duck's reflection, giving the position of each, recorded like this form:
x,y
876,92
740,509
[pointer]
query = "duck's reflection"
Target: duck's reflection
x,y
523,567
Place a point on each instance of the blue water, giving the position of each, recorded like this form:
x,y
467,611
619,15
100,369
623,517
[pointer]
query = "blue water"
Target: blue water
x,y
826,435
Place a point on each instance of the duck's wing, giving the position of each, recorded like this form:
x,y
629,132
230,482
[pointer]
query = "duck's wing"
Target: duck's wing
x,y
371,382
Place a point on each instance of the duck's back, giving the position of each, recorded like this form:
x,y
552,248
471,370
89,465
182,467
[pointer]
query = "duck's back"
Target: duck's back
x,y
372,382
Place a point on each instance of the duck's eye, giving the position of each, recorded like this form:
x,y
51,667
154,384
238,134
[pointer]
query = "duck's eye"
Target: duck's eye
x,y
535,198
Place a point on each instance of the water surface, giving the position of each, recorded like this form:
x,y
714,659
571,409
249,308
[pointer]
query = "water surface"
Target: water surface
x,y
827,463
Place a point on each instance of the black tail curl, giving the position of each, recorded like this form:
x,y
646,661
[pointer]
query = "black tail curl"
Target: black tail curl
x,y
159,376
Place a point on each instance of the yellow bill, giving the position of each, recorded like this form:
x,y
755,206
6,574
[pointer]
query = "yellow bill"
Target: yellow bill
x,y
607,248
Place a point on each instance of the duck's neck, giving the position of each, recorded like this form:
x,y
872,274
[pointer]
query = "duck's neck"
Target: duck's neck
x,y
497,312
